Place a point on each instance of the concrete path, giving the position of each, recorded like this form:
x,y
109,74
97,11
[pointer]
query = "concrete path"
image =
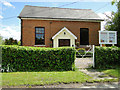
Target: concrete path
x,y
83,62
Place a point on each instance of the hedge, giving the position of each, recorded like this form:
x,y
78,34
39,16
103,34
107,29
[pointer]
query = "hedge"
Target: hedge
x,y
107,57
21,58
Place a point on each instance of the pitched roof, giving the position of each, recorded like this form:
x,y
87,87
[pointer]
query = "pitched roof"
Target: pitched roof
x,y
62,30
58,13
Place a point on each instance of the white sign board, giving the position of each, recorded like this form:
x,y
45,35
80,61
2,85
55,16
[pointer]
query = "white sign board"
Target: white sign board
x,y
107,37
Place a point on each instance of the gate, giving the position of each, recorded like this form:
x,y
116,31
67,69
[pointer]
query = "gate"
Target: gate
x,y
88,53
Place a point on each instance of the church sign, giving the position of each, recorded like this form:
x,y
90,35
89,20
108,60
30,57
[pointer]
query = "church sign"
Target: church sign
x,y
107,37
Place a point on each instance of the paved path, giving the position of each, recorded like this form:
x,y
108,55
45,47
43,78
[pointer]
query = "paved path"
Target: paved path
x,y
83,62
96,75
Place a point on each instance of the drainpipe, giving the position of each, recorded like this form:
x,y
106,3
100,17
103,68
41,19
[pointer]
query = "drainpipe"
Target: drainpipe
x,y
21,30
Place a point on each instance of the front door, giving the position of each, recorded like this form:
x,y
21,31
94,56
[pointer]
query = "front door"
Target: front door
x,y
84,36
64,42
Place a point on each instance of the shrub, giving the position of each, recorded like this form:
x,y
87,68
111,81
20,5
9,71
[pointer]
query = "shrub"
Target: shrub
x,y
107,57
11,41
80,51
77,44
20,58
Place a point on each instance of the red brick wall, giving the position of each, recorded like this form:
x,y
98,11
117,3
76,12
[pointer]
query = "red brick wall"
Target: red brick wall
x,y
52,27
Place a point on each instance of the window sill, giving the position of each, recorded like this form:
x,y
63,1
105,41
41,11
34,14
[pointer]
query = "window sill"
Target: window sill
x,y
39,45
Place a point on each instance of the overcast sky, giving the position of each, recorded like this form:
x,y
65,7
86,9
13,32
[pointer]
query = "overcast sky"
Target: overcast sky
x,y
10,24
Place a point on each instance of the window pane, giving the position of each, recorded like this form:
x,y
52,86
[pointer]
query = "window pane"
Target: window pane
x,y
39,40
42,31
36,30
39,31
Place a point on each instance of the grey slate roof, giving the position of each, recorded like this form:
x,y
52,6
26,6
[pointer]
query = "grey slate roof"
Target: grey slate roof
x,y
58,13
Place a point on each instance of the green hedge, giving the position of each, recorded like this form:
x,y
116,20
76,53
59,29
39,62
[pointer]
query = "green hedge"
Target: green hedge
x,y
20,58
107,57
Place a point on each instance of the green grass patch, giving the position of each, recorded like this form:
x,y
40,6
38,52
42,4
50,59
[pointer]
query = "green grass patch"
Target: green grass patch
x,y
101,76
102,80
111,72
42,78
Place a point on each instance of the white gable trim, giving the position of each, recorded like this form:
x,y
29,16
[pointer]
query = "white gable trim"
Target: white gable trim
x,y
66,30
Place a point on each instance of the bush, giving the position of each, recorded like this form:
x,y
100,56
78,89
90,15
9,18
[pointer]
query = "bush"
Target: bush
x,y
80,51
11,41
107,57
20,58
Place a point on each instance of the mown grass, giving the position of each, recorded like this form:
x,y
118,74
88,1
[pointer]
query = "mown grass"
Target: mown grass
x,y
111,72
42,78
103,80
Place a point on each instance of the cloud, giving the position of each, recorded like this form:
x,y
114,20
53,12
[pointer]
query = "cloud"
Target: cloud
x,y
10,31
103,16
1,17
7,4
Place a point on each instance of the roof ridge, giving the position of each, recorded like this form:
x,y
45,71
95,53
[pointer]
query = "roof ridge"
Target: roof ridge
x,y
57,7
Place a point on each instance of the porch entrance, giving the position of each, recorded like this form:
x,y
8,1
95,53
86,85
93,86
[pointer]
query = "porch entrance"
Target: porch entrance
x,y
64,42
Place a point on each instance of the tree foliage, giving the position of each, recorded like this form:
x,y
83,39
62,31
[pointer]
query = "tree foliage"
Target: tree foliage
x,y
113,24
11,41
1,40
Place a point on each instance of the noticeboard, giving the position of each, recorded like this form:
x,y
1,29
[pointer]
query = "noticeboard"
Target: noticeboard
x,y
107,37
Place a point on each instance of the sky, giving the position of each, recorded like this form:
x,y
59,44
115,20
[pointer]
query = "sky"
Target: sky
x,y
9,10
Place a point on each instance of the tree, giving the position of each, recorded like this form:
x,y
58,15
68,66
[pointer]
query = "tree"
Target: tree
x,y
113,24
1,40
11,41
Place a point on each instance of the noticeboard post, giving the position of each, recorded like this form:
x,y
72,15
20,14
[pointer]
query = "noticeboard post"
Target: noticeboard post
x,y
107,37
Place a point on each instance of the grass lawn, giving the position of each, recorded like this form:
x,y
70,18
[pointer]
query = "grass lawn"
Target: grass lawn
x,y
42,78
112,72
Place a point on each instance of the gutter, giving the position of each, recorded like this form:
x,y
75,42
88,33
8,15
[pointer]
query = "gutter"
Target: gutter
x,y
61,19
